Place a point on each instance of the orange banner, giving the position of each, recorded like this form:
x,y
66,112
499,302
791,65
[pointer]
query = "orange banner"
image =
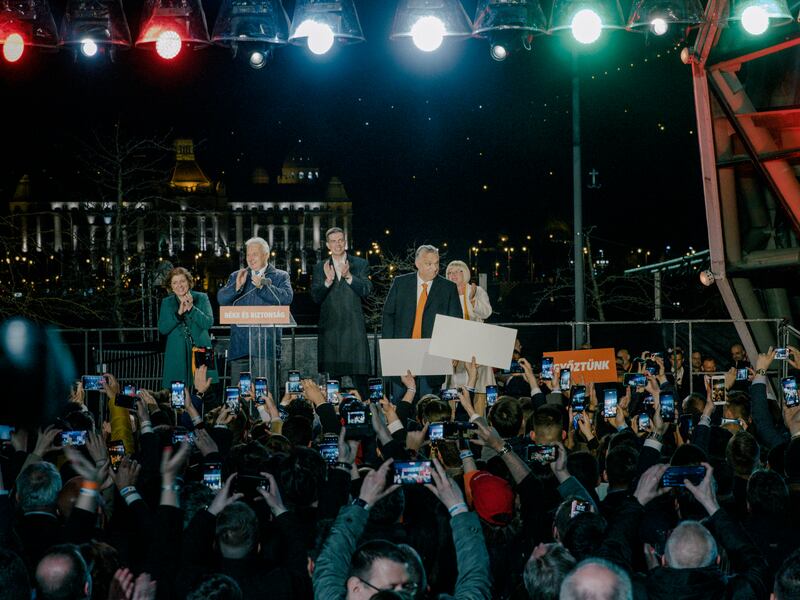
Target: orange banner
x,y
254,315
597,365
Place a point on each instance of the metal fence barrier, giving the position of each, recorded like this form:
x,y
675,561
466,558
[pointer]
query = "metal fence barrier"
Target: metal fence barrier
x,y
135,355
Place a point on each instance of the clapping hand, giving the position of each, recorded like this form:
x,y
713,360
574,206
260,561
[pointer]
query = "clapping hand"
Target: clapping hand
x,y
241,277
125,587
330,272
346,269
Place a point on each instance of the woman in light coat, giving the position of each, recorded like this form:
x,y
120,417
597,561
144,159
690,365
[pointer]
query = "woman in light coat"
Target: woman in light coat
x,y
475,306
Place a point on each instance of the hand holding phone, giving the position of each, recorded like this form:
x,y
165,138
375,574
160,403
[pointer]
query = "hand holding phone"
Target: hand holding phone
x,y
177,396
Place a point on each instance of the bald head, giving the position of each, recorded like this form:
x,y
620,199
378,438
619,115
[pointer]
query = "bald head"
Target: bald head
x,y
63,574
597,579
690,546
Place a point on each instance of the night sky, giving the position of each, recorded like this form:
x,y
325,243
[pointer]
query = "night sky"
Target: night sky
x,y
450,146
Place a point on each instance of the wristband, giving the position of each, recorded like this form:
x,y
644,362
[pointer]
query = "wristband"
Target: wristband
x,y
465,454
474,417
411,390
131,498
456,507
90,485
3,492
471,390
127,490
504,450
88,492
197,419
343,465
761,371
657,437
175,487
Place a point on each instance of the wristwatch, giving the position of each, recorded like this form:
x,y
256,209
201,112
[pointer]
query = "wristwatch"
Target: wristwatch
x,y
361,502
761,371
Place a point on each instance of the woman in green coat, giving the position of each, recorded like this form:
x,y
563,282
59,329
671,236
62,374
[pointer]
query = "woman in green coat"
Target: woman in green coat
x,y
185,319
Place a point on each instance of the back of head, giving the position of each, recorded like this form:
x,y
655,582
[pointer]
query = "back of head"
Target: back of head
x,y
743,454
14,582
584,534
38,486
63,574
787,579
366,555
767,494
791,459
737,404
694,404
597,579
506,416
690,546
301,475
548,424
237,530
583,466
621,464
298,429
436,410
216,587
544,573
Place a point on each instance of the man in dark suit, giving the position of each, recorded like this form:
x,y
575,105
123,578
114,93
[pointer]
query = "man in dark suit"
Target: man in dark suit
x,y
338,285
413,302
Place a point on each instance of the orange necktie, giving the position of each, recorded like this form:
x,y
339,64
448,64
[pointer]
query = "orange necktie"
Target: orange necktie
x,y
416,333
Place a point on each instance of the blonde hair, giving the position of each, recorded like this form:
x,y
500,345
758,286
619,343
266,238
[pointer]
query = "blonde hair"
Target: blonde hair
x,y
461,266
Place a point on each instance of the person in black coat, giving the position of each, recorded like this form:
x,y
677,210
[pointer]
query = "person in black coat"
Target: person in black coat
x,y
338,285
431,293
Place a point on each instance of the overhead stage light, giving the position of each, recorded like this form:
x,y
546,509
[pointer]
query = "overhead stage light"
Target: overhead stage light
x,y
429,22
319,24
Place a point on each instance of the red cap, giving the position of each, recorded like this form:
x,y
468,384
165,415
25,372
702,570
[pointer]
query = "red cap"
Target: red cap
x,y
493,498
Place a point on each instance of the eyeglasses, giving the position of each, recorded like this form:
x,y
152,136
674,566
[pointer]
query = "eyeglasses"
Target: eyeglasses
x,y
408,590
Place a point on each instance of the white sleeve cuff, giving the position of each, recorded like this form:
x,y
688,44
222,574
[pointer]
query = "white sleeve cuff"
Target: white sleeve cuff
x,y
474,417
654,444
395,426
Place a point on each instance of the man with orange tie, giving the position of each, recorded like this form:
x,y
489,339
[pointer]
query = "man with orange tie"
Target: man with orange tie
x,y
413,302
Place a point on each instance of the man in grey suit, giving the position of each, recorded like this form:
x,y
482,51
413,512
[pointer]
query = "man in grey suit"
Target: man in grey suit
x,y
413,302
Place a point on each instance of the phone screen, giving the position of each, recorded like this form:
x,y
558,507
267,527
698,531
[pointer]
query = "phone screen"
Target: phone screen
x,y
565,379
436,431
5,432
212,476
244,383
375,389
790,391
516,367
718,389
580,506
578,398
674,476
92,383
294,386
644,421
547,367
176,397
687,425
635,380
261,386
610,403
668,407
781,353
130,390
332,389
232,398
73,438
329,451
180,435
449,394
116,452
741,374
491,395
410,473
539,453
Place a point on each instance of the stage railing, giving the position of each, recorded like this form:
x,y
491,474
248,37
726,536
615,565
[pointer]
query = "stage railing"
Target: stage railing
x,y
136,354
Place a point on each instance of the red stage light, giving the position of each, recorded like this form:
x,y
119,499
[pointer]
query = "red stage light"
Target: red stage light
x,y
168,44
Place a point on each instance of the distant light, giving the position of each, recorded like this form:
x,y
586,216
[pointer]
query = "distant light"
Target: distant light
x,y
586,26
319,36
755,20
428,33
168,44
499,52
659,26
88,47
13,47
258,59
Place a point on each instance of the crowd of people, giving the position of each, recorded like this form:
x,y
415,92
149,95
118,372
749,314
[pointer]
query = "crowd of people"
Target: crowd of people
x,y
548,491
